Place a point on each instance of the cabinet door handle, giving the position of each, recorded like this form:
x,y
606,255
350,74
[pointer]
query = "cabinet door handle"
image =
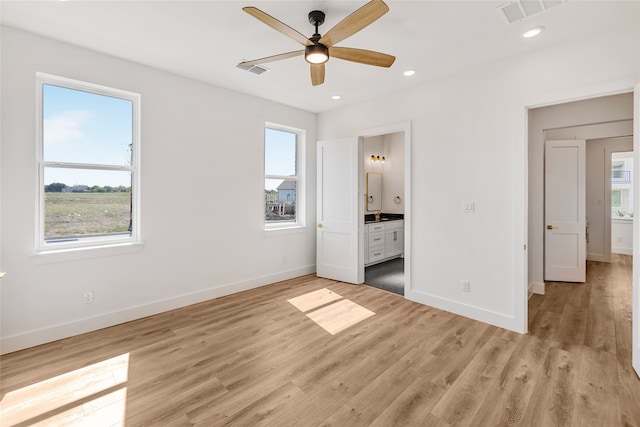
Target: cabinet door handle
x,y
395,235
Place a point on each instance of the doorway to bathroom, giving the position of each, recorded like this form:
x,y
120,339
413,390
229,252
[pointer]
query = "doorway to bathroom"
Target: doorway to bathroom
x,y
386,219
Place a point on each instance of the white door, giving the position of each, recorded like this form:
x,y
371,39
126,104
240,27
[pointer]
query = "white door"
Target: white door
x,y
340,215
564,200
635,318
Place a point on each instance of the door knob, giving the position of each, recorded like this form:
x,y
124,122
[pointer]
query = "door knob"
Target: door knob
x,y
319,225
551,227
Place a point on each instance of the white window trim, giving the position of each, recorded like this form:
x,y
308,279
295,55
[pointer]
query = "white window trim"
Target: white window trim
x,y
107,241
301,143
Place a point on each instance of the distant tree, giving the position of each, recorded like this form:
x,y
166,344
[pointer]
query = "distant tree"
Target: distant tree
x,y
54,187
96,189
271,195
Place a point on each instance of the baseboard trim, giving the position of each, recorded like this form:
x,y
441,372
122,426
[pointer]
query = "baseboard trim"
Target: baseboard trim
x,y
623,251
536,288
56,332
466,310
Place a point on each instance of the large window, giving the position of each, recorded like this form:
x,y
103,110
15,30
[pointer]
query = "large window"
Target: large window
x,y
88,164
283,176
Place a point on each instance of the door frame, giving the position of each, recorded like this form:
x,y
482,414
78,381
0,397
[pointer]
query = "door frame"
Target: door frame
x,y
635,297
404,127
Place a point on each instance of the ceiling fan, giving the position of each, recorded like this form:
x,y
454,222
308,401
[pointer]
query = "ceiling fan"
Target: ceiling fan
x,y
318,49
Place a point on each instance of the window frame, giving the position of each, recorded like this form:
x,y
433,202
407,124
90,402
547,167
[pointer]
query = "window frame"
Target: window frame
x,y
41,246
299,178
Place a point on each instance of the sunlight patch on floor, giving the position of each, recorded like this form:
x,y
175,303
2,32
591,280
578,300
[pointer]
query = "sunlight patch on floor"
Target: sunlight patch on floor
x,y
96,392
337,317
314,299
334,317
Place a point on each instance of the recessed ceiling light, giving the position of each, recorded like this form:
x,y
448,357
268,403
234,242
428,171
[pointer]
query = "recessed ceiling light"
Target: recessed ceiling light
x,y
409,73
336,97
532,32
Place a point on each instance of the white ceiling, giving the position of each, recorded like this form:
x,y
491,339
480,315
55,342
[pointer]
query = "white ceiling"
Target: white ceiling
x,y
205,40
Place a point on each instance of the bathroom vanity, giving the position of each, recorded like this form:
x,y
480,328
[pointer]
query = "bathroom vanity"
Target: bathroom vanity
x,y
383,239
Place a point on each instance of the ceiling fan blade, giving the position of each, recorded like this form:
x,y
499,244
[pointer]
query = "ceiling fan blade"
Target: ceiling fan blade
x,y
355,22
277,25
273,58
317,74
362,56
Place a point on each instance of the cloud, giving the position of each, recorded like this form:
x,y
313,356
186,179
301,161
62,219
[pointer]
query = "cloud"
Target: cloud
x,y
64,126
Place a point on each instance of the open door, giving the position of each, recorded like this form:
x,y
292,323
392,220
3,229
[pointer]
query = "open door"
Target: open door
x,y
635,319
565,245
340,211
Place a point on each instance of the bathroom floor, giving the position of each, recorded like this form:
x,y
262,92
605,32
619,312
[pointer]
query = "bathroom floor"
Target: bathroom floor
x,y
388,275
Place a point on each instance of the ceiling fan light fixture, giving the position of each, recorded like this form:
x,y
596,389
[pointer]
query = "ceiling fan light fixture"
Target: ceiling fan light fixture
x,y
409,73
316,53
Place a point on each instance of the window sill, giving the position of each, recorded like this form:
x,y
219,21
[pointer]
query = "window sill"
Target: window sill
x,y
74,254
284,230
619,219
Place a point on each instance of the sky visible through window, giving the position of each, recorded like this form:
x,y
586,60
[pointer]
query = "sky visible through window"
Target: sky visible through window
x,y
83,127
279,156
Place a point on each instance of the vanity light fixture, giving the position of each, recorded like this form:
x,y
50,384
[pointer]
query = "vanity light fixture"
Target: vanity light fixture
x,y
377,159
535,31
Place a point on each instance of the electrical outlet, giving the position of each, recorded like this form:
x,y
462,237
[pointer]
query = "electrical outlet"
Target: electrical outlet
x,y
466,286
88,297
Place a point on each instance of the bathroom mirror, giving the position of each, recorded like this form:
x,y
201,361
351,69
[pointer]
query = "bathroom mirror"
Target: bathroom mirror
x,y
374,191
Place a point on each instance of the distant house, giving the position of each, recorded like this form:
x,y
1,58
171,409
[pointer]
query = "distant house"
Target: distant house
x,y
287,191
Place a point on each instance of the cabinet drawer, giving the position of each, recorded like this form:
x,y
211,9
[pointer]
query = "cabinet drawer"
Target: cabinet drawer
x,y
373,228
376,239
376,254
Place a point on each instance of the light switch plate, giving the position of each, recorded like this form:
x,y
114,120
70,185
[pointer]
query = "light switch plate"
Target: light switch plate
x,y
468,207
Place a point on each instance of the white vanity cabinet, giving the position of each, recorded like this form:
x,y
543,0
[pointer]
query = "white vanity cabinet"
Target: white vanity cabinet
x,y
394,238
383,241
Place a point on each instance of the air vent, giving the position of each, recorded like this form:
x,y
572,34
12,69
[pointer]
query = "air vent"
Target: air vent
x,y
255,69
519,10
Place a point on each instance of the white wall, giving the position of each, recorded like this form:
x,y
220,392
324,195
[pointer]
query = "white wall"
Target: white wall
x,y
394,173
601,117
478,117
202,199
622,236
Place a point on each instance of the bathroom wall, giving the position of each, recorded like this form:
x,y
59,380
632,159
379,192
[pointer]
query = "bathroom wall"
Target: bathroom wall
x,y
390,146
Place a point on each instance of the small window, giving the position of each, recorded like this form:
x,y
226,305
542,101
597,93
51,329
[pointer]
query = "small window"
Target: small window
x,y
88,164
283,176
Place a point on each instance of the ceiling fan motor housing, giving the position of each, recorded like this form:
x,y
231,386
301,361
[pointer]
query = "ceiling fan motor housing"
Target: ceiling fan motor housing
x,y
316,18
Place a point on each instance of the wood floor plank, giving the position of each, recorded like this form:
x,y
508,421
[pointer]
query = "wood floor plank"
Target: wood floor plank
x,y
467,394
413,406
553,399
570,332
597,402
508,400
253,358
600,328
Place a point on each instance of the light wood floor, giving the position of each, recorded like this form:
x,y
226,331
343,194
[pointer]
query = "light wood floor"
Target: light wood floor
x,y
255,359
